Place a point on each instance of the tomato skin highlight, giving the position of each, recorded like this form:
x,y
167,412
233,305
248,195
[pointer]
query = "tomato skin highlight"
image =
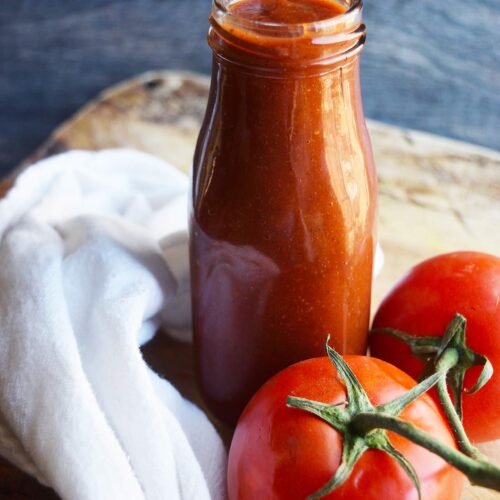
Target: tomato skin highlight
x,y
425,300
283,453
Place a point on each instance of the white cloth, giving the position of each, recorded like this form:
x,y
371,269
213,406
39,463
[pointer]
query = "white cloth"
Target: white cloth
x,y
93,258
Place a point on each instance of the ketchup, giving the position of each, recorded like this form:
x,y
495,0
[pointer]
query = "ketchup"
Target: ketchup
x,y
284,195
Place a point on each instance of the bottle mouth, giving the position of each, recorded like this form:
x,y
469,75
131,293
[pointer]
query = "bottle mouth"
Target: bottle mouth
x,y
338,23
275,47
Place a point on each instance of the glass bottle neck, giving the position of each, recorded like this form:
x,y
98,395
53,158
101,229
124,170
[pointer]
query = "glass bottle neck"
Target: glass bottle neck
x,y
280,48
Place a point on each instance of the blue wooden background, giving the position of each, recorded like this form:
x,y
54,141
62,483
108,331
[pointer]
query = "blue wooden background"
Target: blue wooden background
x,y
429,64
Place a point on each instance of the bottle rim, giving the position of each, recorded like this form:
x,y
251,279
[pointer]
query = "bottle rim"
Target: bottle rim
x,y
336,24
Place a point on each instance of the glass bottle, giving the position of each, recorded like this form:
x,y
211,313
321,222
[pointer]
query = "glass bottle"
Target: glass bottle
x,y
283,195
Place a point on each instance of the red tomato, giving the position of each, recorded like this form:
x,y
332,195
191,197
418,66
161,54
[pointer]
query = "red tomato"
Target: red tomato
x,y
284,453
424,302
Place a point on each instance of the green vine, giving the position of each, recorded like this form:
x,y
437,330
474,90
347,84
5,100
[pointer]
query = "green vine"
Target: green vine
x,y
364,426
436,353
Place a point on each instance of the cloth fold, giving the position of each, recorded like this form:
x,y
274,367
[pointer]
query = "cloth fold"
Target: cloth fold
x,y
93,261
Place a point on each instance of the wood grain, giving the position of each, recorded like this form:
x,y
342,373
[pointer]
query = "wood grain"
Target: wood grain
x,y
436,195
428,65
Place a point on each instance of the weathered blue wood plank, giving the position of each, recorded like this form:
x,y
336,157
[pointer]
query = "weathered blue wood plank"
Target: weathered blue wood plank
x,y
435,65
428,65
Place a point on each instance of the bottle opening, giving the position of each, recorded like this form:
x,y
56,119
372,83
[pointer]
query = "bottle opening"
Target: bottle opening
x,y
283,34
285,14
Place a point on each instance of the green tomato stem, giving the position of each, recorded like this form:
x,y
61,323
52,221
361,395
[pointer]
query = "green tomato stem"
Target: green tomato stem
x,y
449,359
363,426
449,356
479,471
455,423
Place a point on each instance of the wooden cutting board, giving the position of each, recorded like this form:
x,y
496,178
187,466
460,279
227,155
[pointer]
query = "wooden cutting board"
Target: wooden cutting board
x,y
436,195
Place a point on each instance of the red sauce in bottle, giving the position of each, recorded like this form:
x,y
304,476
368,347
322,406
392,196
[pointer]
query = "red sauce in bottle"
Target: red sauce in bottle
x,y
284,194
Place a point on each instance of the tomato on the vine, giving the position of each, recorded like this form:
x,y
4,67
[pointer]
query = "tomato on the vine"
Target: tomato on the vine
x,y
285,453
423,303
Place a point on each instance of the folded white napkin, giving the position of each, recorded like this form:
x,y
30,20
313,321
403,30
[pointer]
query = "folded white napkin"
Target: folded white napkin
x,y
93,259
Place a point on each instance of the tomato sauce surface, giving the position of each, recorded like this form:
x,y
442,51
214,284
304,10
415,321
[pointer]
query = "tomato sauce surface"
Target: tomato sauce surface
x,y
284,191
286,11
